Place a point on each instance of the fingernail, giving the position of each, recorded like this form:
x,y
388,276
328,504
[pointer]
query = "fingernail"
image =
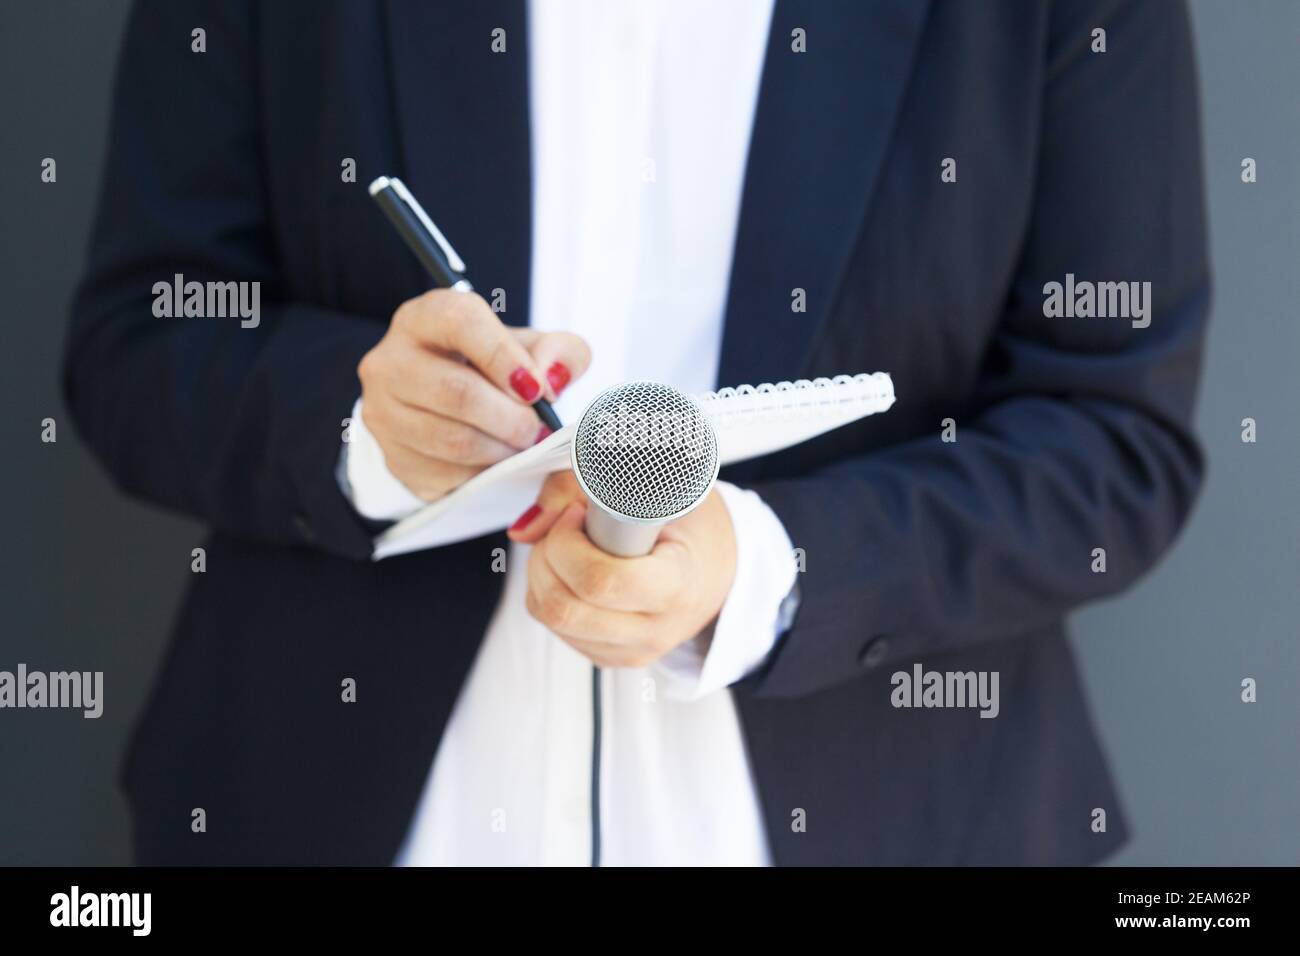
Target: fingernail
x,y
558,375
542,434
525,519
525,385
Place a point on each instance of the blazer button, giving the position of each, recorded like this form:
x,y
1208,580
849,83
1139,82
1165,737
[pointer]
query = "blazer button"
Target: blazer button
x,y
873,653
304,527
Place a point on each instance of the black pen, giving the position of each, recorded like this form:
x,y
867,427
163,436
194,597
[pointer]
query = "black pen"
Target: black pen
x,y
435,253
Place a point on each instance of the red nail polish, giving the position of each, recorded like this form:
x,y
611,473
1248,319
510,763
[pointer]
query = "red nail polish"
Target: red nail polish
x,y
525,385
525,519
558,375
542,434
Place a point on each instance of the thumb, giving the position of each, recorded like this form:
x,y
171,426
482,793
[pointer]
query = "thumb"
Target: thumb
x,y
558,491
562,356
572,518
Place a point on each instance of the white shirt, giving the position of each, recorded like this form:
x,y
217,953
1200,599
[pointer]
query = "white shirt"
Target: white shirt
x,y
641,119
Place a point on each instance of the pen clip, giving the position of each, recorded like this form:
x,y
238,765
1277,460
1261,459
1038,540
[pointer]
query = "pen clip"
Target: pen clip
x,y
456,262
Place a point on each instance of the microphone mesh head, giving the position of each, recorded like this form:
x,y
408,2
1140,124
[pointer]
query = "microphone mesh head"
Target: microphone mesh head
x,y
645,451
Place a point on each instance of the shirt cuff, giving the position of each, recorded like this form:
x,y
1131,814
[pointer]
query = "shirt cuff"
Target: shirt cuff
x,y
757,611
363,476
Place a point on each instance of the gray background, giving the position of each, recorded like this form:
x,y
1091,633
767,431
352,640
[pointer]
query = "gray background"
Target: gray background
x,y
90,580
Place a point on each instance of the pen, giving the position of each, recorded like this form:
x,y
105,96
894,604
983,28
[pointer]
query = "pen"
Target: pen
x,y
435,253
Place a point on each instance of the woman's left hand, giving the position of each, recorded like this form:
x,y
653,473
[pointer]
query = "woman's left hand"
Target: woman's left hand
x,y
624,612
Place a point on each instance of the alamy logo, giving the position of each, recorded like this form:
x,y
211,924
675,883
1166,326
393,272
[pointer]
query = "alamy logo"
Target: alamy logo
x,y
208,300
1102,300
84,689
628,427
75,908
923,688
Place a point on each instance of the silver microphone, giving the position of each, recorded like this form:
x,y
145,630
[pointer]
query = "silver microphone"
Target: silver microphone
x,y
644,454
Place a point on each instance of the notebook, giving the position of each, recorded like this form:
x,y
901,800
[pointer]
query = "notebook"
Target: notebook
x,y
750,421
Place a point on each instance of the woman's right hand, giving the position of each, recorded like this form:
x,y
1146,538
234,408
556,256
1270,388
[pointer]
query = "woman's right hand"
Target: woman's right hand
x,y
447,391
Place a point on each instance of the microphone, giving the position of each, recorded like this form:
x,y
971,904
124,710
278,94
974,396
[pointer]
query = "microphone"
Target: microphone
x,y
644,454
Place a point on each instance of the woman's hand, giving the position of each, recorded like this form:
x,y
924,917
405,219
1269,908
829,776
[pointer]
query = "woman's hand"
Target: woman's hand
x,y
624,612
447,391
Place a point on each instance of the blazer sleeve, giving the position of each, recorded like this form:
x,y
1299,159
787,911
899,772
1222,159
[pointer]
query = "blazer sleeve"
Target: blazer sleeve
x,y
1078,436
240,427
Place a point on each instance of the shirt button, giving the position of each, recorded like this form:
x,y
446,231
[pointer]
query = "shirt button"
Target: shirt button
x,y
873,653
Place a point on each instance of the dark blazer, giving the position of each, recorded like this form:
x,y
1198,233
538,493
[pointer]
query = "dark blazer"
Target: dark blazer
x,y
1072,433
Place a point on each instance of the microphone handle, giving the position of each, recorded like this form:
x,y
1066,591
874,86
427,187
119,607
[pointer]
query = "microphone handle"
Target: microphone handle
x,y
625,539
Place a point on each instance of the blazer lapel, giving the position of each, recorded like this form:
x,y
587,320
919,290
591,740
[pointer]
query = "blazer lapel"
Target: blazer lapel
x,y
821,131
823,123
462,130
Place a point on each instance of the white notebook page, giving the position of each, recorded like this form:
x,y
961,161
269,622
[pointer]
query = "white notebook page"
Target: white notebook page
x,y
750,421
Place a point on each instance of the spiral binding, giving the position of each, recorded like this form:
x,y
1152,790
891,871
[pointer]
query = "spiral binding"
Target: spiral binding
x,y
784,401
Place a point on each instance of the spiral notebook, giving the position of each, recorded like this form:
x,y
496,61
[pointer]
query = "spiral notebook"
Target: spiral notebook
x,y
750,421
